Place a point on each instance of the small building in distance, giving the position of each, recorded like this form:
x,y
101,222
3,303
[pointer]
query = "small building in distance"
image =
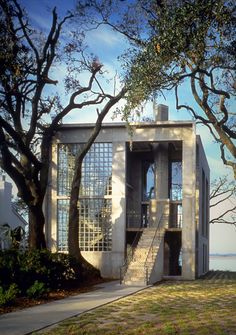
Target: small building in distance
x,y
8,213
144,201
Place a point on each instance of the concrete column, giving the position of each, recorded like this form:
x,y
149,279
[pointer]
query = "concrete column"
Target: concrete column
x,y
162,171
118,206
189,193
51,206
159,209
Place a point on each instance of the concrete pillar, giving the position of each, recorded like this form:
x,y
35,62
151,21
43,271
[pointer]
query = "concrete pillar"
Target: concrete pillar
x,y
118,206
159,209
162,171
189,191
50,206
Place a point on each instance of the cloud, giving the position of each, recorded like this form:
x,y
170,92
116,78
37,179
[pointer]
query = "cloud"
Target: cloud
x,y
104,36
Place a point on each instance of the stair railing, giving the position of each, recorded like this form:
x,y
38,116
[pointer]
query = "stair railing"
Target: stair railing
x,y
151,249
130,256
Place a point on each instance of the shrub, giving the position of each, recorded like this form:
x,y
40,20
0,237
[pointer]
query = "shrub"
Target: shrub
x,y
37,290
54,270
9,267
8,296
34,266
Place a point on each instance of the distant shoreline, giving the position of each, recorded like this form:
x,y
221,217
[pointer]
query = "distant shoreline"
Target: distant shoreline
x,y
222,255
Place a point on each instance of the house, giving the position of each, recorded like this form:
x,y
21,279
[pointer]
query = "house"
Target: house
x,y
144,200
8,213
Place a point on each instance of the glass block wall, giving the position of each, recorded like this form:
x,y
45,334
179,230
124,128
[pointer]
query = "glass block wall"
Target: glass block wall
x,y
95,230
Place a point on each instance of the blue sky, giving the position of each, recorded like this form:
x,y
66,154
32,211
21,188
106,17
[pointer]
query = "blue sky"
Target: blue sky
x,y
108,45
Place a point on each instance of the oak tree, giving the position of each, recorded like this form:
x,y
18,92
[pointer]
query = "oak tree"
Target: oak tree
x,y
31,110
175,42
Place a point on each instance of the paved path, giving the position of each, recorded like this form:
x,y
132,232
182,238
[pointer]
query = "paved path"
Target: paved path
x,y
35,318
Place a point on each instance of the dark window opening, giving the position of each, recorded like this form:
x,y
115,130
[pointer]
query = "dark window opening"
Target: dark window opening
x,y
176,180
148,188
173,254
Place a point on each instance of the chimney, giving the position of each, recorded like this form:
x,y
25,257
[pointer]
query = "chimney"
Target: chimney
x,y
161,113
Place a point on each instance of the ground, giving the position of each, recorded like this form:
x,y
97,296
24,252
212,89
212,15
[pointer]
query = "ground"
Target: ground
x,y
24,302
202,307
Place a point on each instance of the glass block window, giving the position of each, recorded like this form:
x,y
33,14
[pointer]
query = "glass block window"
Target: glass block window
x,y
66,162
62,224
96,169
95,232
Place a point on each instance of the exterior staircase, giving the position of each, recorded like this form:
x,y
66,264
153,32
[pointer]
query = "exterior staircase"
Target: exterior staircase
x,y
140,268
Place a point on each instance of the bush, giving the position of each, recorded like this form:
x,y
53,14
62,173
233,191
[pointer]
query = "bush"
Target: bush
x,y
8,296
9,267
37,290
32,268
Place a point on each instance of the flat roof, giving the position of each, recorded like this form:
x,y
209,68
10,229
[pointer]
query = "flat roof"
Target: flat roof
x,y
164,124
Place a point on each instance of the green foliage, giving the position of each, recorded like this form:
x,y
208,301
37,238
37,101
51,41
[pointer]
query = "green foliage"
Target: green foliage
x,y
37,290
9,267
190,42
181,34
13,237
7,296
54,270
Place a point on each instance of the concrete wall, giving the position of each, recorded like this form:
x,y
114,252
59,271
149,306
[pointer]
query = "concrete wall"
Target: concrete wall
x,y
157,272
202,234
189,207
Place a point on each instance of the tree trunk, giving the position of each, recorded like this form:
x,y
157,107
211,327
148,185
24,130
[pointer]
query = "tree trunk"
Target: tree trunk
x,y
73,229
73,233
36,227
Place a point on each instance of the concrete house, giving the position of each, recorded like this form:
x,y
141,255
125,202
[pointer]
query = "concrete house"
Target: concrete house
x,y
144,204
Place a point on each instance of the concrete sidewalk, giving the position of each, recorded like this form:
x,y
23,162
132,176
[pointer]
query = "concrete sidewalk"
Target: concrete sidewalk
x,y
35,318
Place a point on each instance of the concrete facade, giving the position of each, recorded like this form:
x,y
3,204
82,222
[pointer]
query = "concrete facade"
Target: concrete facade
x,y
158,144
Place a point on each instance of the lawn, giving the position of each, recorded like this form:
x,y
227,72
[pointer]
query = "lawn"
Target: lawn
x,y
202,307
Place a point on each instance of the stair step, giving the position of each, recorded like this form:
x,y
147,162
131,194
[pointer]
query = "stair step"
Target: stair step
x,y
136,273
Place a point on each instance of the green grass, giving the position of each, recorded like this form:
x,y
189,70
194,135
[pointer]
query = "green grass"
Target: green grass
x,y
201,307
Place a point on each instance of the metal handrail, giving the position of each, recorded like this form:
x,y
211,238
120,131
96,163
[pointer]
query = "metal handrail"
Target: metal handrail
x,y
130,255
151,248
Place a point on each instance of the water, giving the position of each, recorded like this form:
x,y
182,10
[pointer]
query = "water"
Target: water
x,y
223,263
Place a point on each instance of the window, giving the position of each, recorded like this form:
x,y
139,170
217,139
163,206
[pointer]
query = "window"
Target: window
x,y
66,162
205,205
176,181
96,169
94,204
148,180
95,224
62,224
207,208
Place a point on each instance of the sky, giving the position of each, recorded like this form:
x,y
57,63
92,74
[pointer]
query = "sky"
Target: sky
x,y
108,45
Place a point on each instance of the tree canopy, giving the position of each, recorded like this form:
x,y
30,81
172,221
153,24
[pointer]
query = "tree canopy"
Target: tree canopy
x,y
31,109
176,42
